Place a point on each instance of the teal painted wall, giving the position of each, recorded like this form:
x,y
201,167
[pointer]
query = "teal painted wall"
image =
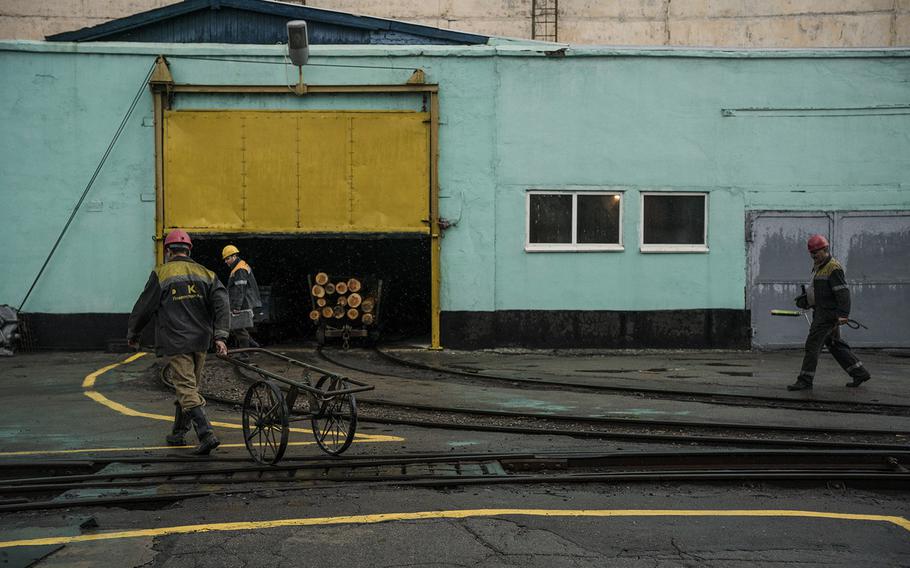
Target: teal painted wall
x,y
656,123
511,120
59,113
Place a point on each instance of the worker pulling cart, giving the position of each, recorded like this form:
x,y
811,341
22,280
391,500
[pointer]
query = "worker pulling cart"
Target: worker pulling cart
x,y
331,408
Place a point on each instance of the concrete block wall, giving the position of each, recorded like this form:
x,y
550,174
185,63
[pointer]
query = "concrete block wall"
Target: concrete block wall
x,y
28,19
712,23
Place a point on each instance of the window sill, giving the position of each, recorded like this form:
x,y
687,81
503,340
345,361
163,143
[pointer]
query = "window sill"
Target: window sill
x,y
674,248
573,248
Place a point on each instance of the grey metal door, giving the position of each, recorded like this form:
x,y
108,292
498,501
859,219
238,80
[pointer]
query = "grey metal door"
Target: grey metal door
x,y
874,247
875,251
778,264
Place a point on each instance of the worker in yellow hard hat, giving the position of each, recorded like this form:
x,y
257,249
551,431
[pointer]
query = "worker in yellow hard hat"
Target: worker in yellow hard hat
x,y
244,295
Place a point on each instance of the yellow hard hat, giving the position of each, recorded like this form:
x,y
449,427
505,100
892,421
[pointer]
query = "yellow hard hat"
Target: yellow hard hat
x,y
228,251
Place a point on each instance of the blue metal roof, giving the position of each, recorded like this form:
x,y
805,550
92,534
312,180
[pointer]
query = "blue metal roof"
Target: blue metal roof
x,y
261,22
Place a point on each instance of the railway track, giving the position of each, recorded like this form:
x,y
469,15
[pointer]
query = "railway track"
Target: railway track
x,y
626,429
133,482
395,365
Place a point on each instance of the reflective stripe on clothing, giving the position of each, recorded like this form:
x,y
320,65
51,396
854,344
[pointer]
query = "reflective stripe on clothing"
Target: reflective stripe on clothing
x,y
189,303
241,265
242,287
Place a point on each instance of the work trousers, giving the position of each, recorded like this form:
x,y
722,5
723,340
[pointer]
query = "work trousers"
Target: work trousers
x,y
824,331
187,378
243,337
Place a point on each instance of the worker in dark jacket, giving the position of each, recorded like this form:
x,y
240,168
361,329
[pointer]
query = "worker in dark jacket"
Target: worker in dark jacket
x,y
829,298
244,294
191,308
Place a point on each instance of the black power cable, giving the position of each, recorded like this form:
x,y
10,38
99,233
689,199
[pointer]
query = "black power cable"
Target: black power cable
x,y
91,181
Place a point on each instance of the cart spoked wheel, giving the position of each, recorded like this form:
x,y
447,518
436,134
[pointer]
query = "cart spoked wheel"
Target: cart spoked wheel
x,y
334,418
265,422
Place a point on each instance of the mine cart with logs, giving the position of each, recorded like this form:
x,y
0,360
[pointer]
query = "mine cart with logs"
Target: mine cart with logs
x,y
344,307
330,405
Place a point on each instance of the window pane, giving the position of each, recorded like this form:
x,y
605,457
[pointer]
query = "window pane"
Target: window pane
x,y
598,219
674,220
551,219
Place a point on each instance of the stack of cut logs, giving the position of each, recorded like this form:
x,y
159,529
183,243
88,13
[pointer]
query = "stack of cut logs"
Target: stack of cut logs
x,y
341,301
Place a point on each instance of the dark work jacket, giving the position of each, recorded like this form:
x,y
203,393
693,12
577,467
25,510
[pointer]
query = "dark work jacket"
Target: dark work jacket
x,y
242,287
191,306
830,286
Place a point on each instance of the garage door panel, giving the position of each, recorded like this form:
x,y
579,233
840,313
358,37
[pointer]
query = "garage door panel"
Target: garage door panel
x,y
877,247
324,172
270,154
776,331
297,171
882,308
780,242
203,171
390,172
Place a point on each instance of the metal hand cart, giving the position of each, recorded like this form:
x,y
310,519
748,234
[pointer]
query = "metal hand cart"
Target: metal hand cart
x,y
332,408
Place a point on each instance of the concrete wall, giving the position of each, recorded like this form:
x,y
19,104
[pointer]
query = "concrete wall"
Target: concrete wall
x,y
766,23
803,130
28,19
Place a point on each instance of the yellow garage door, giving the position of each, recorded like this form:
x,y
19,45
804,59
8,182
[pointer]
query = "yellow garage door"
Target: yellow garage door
x,y
297,172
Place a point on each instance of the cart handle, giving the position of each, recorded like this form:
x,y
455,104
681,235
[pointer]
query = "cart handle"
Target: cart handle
x,y
330,394
294,362
360,386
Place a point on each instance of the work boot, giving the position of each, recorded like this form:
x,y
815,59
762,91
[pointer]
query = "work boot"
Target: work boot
x,y
207,439
177,437
799,385
857,381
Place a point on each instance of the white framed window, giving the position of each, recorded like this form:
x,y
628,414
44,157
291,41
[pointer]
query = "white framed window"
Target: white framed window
x,y
674,222
573,221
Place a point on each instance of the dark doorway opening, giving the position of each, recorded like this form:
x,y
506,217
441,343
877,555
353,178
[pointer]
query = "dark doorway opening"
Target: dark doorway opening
x,y
283,263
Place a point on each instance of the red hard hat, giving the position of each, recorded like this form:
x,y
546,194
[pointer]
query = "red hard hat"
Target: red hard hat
x,y
178,237
817,242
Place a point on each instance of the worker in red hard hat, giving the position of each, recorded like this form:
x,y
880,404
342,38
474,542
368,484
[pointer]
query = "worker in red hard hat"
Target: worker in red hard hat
x,y
829,298
192,310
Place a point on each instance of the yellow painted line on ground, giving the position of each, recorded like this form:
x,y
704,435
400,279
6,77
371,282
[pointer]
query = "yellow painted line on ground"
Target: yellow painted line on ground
x,y
452,514
91,378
